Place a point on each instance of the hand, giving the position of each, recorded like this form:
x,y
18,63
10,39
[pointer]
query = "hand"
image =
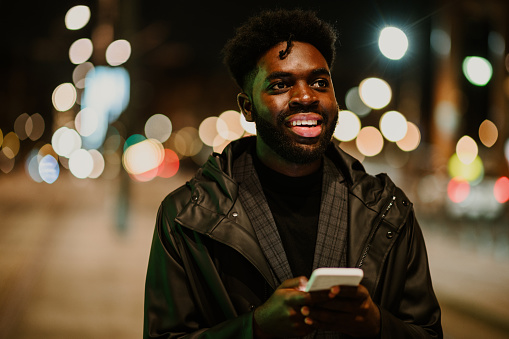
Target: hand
x,y
346,309
280,315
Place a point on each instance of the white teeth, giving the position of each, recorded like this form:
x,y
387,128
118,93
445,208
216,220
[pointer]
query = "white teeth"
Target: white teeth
x,y
304,122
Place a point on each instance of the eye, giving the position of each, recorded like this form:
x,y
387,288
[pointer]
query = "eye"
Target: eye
x,y
278,86
321,83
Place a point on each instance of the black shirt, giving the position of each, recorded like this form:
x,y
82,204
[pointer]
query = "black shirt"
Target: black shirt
x,y
295,206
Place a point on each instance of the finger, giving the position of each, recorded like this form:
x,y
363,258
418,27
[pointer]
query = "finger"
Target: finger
x,y
317,297
334,291
349,292
296,283
341,306
323,318
304,310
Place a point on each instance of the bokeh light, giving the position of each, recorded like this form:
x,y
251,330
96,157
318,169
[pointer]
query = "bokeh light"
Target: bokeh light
x,y
219,144
348,126
20,126
80,51
249,126
393,43
501,190
158,127
477,70
170,165
6,164
64,97
446,117
81,163
466,149
375,93
49,169
145,176
355,104
479,203
35,126
370,141
187,142
229,125
143,156
132,140
97,164
393,125
458,190
86,121
440,42
496,43
32,166
472,172
77,17
11,144
107,91
488,133
45,150
65,141
118,52
412,138
208,131
80,72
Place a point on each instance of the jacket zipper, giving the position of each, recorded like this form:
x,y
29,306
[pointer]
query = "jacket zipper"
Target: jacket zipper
x,y
366,249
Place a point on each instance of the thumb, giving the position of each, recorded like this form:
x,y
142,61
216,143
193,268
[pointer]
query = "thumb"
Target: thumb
x,y
298,283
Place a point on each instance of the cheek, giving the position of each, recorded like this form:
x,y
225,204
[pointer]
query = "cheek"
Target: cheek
x,y
270,105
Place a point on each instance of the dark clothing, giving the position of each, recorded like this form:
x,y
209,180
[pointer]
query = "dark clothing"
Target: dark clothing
x,y
215,258
295,205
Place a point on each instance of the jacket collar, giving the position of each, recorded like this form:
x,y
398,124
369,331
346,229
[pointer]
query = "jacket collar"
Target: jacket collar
x,y
214,199
215,190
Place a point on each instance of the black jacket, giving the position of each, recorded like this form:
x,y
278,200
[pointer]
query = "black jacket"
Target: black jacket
x,y
207,273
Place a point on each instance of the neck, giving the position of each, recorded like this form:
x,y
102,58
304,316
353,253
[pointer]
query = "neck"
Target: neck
x,y
275,162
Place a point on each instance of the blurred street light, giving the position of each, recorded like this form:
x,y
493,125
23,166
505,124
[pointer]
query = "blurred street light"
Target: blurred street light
x,y
393,43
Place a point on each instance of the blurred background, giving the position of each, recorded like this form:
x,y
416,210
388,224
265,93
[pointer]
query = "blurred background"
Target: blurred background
x,y
106,106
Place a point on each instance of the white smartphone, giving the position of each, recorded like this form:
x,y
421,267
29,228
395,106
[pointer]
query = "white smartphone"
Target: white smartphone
x,y
325,277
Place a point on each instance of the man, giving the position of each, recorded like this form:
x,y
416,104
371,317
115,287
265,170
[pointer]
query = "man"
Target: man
x,y
234,247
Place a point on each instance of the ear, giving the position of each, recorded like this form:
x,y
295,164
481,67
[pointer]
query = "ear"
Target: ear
x,y
245,106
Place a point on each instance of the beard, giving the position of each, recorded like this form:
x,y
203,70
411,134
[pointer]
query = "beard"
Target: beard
x,y
287,148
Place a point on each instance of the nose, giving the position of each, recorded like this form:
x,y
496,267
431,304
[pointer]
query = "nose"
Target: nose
x,y
303,95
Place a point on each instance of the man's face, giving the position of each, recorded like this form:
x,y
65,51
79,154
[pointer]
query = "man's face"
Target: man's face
x,y
293,103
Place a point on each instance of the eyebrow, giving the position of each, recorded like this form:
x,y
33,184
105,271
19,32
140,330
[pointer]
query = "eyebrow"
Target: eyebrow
x,y
280,74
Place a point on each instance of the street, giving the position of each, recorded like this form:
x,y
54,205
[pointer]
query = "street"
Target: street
x,y
71,268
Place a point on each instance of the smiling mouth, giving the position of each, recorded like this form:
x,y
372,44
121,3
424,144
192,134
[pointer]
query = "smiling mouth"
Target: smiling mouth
x,y
304,123
307,127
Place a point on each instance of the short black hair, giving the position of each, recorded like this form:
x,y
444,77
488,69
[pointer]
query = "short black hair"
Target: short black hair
x,y
262,32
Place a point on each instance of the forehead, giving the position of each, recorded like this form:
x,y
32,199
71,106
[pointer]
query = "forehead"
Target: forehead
x,y
303,57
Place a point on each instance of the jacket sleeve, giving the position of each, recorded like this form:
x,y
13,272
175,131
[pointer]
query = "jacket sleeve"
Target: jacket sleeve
x,y
410,309
172,295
